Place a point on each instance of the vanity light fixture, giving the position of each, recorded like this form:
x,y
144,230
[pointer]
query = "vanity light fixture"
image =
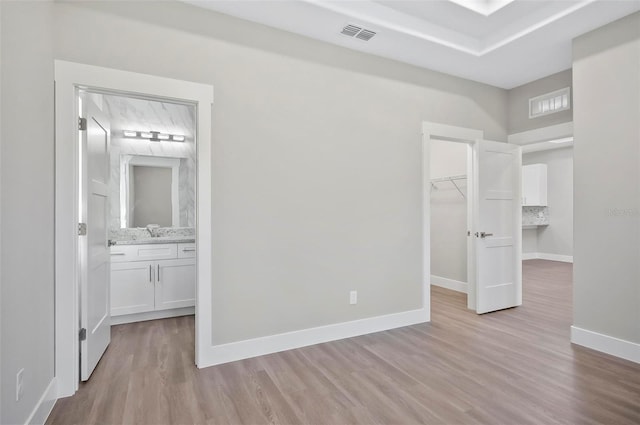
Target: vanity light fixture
x,y
153,136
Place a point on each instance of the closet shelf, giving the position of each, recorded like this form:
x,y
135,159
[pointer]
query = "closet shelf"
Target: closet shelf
x,y
451,179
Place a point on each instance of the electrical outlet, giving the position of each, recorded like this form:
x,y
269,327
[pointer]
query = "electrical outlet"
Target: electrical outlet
x,y
353,297
19,384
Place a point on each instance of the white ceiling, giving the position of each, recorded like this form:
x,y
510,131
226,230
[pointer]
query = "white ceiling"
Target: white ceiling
x,y
504,43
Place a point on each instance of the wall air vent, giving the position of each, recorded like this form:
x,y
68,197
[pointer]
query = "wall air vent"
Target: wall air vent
x,y
550,103
357,32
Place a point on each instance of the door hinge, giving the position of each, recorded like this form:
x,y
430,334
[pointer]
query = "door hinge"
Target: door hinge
x,y
83,334
82,123
82,229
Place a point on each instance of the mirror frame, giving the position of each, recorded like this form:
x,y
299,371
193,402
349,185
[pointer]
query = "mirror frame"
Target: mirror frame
x,y
126,162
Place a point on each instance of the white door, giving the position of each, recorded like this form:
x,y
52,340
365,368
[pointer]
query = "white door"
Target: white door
x,y
95,319
497,225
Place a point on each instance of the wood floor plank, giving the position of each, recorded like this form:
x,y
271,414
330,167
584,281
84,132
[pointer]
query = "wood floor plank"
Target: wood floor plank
x,y
515,366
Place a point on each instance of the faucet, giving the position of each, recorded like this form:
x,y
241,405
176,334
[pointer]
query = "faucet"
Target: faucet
x,y
153,229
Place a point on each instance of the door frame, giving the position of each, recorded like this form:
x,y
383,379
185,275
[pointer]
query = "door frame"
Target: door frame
x,y
69,77
431,130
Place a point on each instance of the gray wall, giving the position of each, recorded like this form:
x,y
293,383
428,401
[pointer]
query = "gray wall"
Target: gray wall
x,y
26,175
316,158
448,212
518,99
557,237
529,241
606,80
316,167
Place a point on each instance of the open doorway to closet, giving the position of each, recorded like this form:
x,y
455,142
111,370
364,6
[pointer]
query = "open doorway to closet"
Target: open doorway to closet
x,y
450,213
472,190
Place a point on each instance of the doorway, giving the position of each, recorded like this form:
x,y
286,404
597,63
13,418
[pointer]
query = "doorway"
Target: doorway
x,y
450,214
494,215
137,204
71,78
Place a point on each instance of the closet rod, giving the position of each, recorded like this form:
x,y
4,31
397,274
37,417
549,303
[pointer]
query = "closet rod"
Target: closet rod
x,y
451,179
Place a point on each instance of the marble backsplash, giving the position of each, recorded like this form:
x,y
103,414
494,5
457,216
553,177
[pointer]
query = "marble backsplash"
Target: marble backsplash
x,y
535,216
135,233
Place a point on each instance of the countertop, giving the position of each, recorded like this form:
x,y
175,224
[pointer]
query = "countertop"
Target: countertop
x,y
154,240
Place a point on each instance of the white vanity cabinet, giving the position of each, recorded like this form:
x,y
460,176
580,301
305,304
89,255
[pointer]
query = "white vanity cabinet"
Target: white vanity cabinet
x,y
534,185
152,278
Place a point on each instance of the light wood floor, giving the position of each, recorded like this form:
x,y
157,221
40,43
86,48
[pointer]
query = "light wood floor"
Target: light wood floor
x,y
515,366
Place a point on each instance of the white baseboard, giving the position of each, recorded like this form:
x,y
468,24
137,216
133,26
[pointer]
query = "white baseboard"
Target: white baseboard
x,y
556,257
152,315
42,410
607,344
547,256
454,285
226,353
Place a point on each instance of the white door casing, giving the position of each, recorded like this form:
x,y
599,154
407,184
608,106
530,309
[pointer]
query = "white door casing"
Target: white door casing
x,y
95,319
69,77
497,224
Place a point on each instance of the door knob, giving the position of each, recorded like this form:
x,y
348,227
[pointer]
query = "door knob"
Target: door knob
x,y
484,235
111,242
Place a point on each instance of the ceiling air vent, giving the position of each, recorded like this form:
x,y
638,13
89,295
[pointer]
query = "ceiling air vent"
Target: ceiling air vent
x,y
550,103
365,35
357,32
351,30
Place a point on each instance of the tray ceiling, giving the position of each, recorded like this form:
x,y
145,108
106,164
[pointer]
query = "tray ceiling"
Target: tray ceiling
x,y
504,43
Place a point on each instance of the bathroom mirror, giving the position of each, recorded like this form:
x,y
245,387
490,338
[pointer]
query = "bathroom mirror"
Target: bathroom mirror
x,y
149,191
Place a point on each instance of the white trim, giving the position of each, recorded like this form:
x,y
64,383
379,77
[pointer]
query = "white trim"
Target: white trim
x,y
555,257
545,146
233,351
152,315
607,344
68,77
547,256
454,285
43,408
436,130
542,134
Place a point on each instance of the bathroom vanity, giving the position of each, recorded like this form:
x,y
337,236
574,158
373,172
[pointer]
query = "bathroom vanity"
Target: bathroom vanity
x,y
152,278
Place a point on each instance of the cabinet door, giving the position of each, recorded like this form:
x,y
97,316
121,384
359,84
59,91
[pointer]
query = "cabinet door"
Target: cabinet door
x,y
534,185
175,283
132,287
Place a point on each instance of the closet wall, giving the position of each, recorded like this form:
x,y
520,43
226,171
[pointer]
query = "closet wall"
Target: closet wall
x,y
448,213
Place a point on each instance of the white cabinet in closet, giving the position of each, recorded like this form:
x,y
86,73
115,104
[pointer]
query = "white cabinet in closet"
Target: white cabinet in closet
x,y
153,277
534,185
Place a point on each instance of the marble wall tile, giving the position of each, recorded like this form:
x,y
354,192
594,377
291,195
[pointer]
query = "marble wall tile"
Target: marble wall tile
x,y
146,115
